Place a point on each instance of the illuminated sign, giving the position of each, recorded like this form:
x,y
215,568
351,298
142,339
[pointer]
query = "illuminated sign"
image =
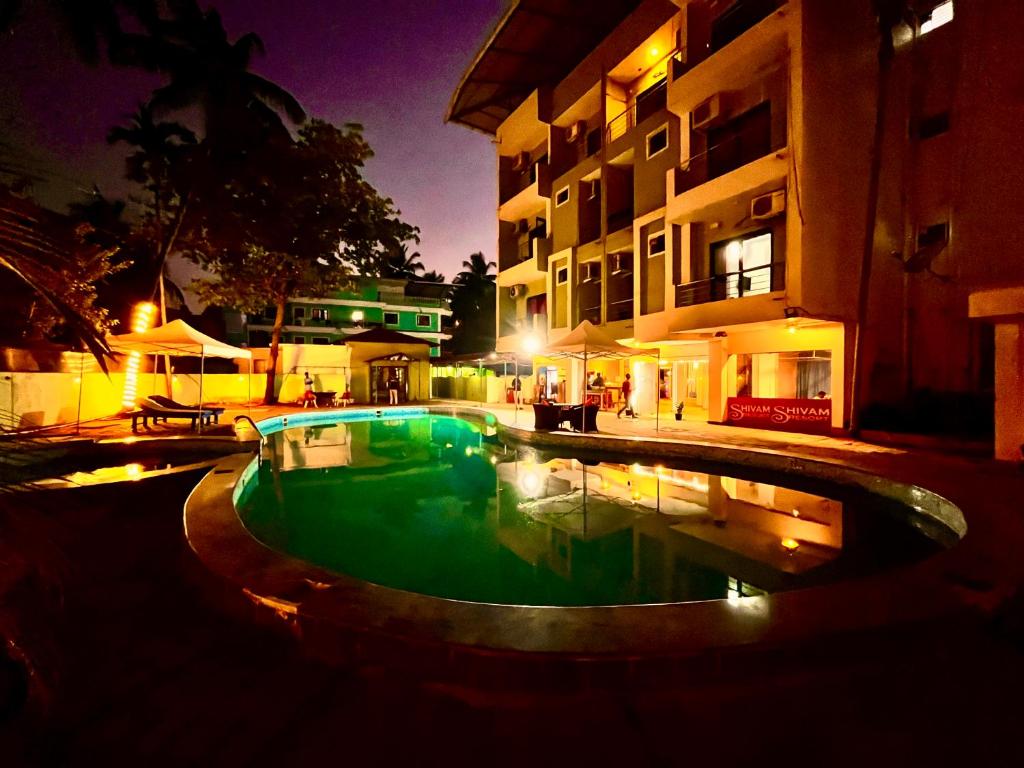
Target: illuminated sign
x,y
787,415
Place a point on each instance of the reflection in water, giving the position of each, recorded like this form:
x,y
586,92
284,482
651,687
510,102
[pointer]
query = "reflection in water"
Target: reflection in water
x,y
434,505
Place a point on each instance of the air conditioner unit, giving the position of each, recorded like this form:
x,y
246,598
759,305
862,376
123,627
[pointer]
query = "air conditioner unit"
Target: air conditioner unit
x,y
769,205
521,161
576,131
517,290
708,113
590,272
523,227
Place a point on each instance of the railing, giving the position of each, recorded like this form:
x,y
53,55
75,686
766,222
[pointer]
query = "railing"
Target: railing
x,y
646,104
620,310
593,314
520,180
745,147
620,220
733,285
738,18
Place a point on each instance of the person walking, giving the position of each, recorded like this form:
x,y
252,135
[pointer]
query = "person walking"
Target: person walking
x,y
627,398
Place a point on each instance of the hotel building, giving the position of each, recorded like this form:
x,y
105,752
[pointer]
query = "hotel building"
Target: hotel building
x,y
693,176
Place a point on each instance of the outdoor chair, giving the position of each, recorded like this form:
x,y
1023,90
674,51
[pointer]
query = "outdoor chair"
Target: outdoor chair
x,y
168,403
583,418
546,417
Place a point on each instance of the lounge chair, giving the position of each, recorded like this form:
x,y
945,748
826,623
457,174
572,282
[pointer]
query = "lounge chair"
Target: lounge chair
x,y
168,403
150,409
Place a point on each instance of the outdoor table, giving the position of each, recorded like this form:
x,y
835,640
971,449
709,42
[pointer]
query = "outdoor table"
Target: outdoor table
x,y
324,398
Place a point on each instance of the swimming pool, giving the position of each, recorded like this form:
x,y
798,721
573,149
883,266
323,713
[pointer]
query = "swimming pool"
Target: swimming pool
x,y
440,506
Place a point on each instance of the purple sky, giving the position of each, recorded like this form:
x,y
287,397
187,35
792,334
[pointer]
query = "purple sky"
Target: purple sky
x,y
388,64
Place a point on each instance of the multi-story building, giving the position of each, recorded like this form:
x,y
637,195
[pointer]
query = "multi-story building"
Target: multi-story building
x,y
414,309
693,176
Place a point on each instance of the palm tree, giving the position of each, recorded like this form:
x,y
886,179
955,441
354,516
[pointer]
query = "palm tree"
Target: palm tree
x,y
475,271
433,276
401,264
889,14
473,306
207,69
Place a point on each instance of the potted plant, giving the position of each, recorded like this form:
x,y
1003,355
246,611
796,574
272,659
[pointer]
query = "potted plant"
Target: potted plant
x,y
679,411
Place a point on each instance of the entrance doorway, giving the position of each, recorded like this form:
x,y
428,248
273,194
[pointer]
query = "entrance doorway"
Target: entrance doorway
x,y
381,375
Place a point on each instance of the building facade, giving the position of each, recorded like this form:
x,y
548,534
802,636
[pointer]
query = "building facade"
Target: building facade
x,y
414,309
693,176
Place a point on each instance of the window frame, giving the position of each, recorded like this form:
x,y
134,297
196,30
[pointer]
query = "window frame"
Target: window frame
x,y
568,196
298,313
664,244
298,339
424,316
647,141
561,275
396,321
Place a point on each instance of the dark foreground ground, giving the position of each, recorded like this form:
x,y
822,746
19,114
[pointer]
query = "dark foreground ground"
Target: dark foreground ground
x,y
149,661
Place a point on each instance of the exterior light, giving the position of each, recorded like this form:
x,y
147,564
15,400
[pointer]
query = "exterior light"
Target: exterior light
x,y
492,356
142,321
791,326
653,51
796,513
531,345
790,545
357,316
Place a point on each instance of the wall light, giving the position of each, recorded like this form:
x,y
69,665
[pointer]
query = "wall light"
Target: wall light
x,y
142,321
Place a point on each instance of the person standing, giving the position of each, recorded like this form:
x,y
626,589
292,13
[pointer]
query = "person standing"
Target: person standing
x,y
308,397
393,388
627,395
517,392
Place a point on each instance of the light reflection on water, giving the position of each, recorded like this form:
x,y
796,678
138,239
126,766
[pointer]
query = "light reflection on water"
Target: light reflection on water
x,y
432,505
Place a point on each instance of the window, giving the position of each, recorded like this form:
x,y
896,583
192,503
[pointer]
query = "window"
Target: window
x,y
657,142
270,313
561,197
318,313
742,140
298,339
423,321
390,318
562,275
299,313
742,266
656,244
938,16
933,125
321,340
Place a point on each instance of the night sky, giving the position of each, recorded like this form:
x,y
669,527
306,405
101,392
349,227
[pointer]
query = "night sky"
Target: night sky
x,y
391,65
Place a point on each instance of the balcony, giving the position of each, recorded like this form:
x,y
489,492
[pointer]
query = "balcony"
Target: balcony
x,y
744,46
647,103
527,195
620,310
691,192
733,285
532,255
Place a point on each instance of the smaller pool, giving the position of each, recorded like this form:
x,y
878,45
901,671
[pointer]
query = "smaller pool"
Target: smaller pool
x,y
438,506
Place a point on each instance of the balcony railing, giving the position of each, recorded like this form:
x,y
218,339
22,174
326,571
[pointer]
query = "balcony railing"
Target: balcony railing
x,y
620,310
646,104
620,220
520,180
727,155
738,18
733,285
593,314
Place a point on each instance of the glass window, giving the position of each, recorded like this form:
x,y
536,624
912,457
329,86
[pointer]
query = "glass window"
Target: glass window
x,y
390,318
321,340
299,313
938,16
657,142
298,339
743,266
561,197
656,244
562,275
318,313
423,321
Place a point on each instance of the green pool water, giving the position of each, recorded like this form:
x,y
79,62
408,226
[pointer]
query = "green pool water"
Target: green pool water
x,y
433,505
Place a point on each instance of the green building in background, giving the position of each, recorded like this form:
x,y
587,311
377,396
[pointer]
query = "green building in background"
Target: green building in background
x,y
412,308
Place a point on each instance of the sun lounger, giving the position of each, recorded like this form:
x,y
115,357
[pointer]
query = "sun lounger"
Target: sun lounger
x,y
150,409
168,403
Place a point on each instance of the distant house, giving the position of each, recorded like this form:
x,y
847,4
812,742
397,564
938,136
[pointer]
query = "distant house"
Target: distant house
x,y
415,309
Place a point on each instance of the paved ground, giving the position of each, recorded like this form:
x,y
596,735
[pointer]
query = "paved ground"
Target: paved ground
x,y
156,665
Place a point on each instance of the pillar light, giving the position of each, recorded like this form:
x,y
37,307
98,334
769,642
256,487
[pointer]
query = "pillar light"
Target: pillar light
x,y
142,320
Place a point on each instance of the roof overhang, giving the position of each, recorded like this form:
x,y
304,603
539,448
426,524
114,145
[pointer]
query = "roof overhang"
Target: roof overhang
x,y
535,43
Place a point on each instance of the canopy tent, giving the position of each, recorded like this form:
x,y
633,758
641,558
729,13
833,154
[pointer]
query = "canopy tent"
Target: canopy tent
x,y
586,342
179,339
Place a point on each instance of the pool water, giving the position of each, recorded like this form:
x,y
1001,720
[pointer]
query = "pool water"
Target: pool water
x,y
435,505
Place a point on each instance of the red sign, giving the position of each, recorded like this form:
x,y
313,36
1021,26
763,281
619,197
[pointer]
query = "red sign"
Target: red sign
x,y
814,416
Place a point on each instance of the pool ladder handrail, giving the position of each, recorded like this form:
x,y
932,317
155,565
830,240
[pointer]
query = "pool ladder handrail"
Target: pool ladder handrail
x,y
254,425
